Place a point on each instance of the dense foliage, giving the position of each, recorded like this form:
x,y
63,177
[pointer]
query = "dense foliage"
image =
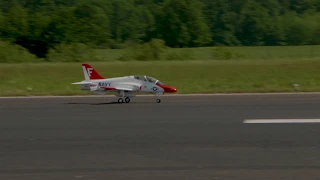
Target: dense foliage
x,y
44,26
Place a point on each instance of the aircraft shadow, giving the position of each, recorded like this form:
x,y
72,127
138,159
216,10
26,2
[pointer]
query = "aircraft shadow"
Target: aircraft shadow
x,y
93,103
109,103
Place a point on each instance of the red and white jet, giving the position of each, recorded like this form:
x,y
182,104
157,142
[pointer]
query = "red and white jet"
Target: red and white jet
x,y
125,87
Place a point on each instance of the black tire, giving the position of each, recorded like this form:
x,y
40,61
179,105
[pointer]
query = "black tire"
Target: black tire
x,y
120,100
127,100
158,100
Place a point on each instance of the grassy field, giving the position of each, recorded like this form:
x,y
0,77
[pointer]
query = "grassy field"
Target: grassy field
x,y
225,53
186,76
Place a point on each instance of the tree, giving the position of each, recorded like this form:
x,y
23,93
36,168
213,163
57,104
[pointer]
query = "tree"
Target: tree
x,y
252,24
274,34
16,23
302,6
91,25
222,21
182,24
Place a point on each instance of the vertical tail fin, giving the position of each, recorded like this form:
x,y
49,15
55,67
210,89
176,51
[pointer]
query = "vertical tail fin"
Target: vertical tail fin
x,y
90,73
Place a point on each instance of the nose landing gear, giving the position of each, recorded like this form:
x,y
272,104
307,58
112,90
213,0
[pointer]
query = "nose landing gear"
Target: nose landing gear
x,y
158,97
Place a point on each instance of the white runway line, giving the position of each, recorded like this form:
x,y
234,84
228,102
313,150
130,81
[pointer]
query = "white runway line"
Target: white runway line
x,y
270,121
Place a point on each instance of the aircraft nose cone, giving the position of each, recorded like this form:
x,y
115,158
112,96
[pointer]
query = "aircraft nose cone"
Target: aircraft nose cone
x,y
170,89
174,89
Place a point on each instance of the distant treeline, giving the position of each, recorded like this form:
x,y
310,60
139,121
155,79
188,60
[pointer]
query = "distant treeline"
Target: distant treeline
x,y
42,25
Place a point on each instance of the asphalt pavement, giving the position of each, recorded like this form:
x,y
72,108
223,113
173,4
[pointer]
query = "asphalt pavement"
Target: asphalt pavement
x,y
183,137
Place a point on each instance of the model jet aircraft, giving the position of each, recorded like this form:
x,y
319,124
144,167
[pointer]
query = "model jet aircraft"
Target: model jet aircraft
x,y
125,87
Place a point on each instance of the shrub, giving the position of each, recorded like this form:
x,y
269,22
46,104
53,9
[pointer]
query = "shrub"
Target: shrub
x,y
13,53
182,55
152,50
222,53
72,53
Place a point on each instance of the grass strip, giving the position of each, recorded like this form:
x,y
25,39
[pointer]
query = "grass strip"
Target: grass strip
x,y
187,76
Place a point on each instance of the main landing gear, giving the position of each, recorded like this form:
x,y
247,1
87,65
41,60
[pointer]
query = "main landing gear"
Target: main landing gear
x,y
126,97
127,100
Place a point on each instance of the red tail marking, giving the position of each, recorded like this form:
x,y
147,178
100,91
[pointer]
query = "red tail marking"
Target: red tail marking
x,y
93,74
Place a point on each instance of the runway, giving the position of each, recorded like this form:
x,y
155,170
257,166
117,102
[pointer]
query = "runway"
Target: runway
x,y
183,137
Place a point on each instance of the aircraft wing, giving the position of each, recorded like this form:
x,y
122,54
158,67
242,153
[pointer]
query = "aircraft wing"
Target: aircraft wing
x,y
122,87
117,87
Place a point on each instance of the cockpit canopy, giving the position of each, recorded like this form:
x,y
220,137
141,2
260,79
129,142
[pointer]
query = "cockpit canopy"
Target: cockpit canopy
x,y
148,79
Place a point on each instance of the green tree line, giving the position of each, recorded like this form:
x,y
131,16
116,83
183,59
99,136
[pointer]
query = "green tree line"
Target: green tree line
x,y
42,26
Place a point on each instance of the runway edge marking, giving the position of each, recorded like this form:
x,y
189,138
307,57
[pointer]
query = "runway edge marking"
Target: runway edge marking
x,y
273,121
168,95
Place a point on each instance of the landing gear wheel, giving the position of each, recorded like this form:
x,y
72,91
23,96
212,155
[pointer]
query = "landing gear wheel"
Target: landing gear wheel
x,y
158,100
120,100
127,100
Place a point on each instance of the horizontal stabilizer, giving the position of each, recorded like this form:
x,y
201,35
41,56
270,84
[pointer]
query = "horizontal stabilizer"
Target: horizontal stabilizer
x,y
84,82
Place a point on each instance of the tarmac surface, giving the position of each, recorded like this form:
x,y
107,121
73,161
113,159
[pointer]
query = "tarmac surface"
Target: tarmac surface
x,y
183,137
